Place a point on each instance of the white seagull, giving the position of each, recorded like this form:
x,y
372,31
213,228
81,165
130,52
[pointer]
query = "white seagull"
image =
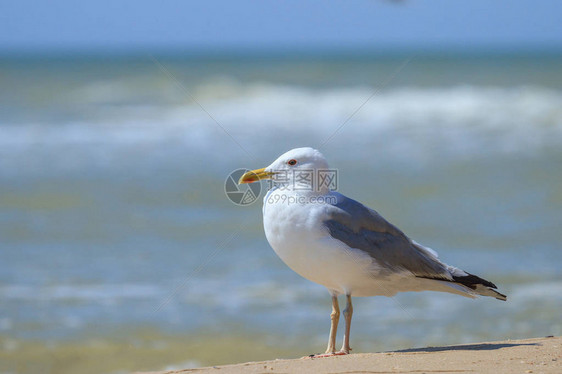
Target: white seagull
x,y
343,245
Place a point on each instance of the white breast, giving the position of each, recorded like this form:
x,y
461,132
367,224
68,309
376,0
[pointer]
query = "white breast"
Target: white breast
x,y
296,234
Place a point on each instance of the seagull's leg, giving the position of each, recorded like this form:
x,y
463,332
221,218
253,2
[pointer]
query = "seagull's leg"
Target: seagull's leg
x,y
347,313
334,317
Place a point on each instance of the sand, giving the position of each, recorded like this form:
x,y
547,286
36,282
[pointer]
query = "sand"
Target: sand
x,y
541,355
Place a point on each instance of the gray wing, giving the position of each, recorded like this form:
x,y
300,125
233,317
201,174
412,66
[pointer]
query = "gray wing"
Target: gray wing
x,y
362,228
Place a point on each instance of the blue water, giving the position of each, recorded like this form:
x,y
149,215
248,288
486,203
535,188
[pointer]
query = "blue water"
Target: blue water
x,y
114,217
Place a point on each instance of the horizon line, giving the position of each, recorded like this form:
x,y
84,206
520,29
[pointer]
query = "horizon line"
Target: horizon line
x,y
288,52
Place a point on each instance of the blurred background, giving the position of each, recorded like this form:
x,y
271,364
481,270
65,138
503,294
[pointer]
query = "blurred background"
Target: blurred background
x,y
121,120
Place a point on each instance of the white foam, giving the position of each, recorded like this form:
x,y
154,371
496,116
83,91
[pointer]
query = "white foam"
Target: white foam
x,y
190,364
462,120
524,293
109,292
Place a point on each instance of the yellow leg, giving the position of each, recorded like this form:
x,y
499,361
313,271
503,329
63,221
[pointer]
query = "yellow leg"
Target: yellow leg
x,y
347,313
334,317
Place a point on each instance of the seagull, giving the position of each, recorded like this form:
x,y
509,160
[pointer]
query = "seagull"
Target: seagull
x,y
345,246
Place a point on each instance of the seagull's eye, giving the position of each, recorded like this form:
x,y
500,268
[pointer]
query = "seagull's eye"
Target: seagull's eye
x,y
292,162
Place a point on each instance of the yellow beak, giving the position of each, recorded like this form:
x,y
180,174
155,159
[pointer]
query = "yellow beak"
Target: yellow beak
x,y
255,175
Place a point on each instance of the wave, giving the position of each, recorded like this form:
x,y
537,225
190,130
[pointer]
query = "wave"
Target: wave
x,y
84,292
461,120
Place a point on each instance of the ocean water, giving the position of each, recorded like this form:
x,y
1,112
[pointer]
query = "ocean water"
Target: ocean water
x,y
120,251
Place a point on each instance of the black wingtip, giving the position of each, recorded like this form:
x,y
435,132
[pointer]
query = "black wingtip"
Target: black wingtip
x,y
472,281
479,285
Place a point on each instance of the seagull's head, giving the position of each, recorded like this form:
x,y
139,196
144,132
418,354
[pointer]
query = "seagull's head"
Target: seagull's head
x,y
298,160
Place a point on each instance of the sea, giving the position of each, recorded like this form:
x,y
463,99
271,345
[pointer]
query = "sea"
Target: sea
x,y
120,249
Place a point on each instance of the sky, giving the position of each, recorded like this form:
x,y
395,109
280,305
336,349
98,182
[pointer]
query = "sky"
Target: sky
x,y
27,25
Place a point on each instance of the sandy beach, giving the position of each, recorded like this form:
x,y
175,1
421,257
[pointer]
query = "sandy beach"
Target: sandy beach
x,y
539,355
